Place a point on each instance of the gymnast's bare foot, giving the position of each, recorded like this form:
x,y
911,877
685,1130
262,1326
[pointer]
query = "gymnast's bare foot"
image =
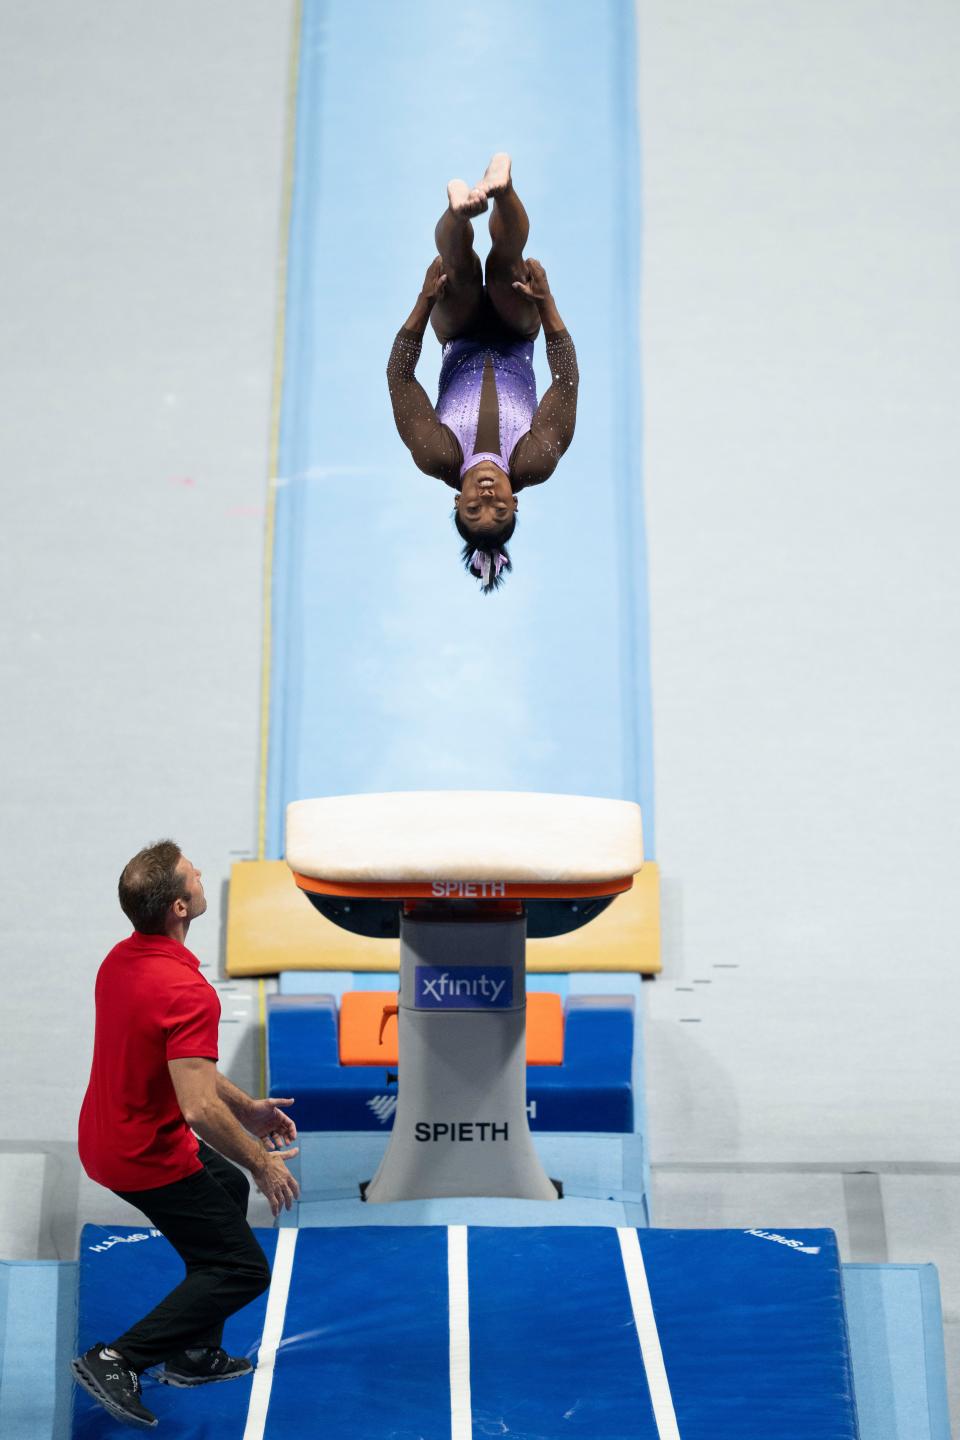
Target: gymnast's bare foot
x,y
497,177
466,202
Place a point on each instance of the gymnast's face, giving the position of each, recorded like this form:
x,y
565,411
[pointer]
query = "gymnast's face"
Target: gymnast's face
x,y
486,501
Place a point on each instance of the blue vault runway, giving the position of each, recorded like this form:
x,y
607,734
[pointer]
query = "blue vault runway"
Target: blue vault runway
x,y
386,663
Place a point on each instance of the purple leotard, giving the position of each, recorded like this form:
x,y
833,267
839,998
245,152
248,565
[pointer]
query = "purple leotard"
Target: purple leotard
x,y
461,380
530,438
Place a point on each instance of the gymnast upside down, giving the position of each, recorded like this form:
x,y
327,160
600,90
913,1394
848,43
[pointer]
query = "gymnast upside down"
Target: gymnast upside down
x,y
487,438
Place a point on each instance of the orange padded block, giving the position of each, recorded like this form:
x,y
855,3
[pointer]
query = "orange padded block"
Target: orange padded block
x,y
544,1028
361,1015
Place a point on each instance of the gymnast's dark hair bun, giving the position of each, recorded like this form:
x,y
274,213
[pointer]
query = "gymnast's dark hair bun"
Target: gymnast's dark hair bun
x,y
486,556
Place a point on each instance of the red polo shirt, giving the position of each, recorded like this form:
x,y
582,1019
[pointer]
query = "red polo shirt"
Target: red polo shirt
x,y
153,1005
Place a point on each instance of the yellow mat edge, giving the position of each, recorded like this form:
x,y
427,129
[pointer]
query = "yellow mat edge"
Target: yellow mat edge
x,y
272,928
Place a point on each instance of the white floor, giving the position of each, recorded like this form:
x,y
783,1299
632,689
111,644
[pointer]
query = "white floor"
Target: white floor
x,y
801,356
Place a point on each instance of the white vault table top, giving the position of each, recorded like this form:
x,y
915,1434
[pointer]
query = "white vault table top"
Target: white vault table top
x,y
464,835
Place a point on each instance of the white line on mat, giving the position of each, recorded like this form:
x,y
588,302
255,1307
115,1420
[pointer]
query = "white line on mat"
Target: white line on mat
x,y
461,1417
657,1382
272,1333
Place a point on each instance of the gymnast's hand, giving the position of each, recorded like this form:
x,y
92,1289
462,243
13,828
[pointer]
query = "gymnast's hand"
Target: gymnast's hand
x,y
267,1121
434,282
536,287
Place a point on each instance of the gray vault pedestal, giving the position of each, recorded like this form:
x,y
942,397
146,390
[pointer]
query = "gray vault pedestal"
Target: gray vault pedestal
x,y
461,1122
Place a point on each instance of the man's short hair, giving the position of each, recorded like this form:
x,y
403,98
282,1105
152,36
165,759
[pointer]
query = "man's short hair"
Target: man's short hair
x,y
149,885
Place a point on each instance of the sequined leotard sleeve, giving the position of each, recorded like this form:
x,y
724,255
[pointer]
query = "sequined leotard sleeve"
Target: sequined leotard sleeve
x,y
535,454
434,448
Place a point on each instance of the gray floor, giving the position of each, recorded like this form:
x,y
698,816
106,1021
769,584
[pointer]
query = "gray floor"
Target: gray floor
x,y
141,173
801,355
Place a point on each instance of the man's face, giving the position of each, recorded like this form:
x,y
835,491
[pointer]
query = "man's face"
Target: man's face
x,y
195,900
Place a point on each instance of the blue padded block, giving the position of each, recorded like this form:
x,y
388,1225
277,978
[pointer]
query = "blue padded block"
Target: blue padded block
x,y
37,1323
304,1060
605,1172
896,1340
301,1038
591,1091
593,1088
475,1210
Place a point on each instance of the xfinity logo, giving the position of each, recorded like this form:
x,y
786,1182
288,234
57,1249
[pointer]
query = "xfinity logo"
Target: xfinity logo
x,y
489,988
784,1240
112,1240
383,1107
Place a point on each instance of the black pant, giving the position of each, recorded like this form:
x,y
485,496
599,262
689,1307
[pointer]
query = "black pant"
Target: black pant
x,y
205,1219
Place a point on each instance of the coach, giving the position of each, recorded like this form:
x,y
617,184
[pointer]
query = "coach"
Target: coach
x,y
160,1127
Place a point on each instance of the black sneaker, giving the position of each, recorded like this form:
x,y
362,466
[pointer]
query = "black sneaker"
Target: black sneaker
x,y
203,1367
114,1385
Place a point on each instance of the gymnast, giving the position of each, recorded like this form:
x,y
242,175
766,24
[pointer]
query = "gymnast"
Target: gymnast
x,y
487,438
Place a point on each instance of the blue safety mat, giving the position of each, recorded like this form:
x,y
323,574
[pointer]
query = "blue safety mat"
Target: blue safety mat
x,y
37,1324
896,1341
478,1210
385,659
595,1167
750,1326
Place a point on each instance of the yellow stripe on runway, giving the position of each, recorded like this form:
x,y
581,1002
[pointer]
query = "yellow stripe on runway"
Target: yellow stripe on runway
x,y
262,1012
275,408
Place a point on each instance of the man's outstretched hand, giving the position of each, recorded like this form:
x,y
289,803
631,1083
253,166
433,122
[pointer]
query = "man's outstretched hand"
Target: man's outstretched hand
x,y
273,1179
267,1121
536,287
434,282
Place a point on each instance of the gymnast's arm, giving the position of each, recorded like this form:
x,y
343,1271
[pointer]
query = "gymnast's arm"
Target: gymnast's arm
x,y
434,448
536,454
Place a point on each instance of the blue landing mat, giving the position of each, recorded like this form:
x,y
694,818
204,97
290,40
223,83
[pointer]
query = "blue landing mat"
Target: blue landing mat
x,y
124,1272
750,1325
